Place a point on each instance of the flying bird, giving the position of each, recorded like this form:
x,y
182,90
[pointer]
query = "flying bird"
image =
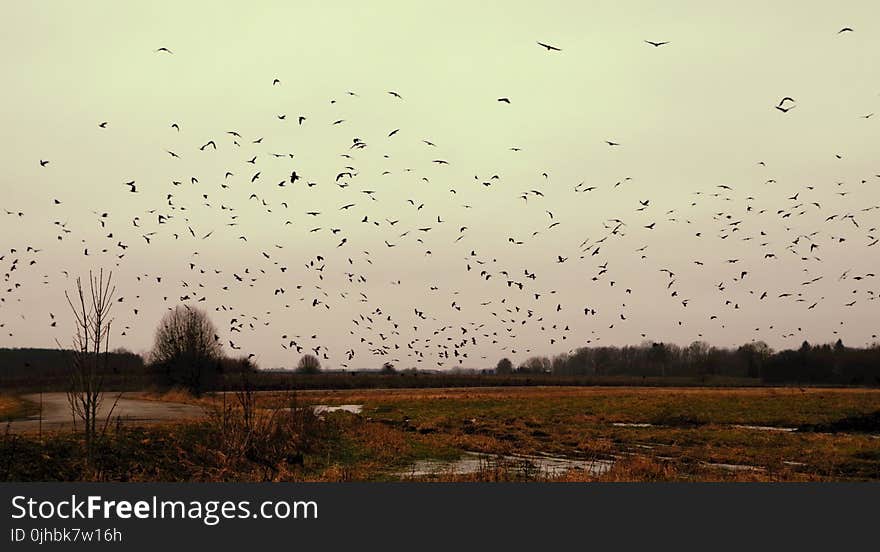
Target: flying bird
x,y
785,107
549,47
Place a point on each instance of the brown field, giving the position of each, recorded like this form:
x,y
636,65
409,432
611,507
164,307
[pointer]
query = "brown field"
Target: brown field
x,y
692,429
681,434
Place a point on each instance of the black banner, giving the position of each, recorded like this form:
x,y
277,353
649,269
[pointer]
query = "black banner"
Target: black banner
x,y
407,516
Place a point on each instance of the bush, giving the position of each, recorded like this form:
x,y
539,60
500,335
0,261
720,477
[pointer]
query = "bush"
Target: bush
x,y
274,439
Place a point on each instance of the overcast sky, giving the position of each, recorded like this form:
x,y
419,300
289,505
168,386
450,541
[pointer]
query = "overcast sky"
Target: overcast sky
x,y
689,116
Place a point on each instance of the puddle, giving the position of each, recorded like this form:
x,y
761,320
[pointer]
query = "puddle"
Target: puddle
x,y
543,465
475,462
327,409
765,428
737,426
732,467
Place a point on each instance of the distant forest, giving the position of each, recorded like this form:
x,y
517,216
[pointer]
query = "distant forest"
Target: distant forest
x,y
54,363
834,364
828,363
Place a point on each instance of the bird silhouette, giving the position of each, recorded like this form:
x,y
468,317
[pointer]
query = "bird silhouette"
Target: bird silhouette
x,y
549,47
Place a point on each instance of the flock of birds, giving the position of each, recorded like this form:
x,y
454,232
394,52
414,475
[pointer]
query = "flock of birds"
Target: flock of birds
x,y
516,299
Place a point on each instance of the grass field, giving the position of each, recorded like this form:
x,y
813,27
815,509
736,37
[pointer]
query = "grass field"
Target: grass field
x,y
690,428
638,434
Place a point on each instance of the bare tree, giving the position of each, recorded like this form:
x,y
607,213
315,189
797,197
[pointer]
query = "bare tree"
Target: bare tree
x,y
536,365
504,366
308,364
89,358
187,348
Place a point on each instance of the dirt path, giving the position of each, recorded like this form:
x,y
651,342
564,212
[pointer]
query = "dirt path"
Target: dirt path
x,y
56,412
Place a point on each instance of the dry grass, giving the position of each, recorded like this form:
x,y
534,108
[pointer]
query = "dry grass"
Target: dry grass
x,y
693,428
756,405
693,434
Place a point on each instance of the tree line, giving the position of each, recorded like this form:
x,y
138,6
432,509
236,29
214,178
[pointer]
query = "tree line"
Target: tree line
x,y
827,363
187,353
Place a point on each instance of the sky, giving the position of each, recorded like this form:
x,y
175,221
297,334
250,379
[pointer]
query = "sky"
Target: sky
x,y
705,221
